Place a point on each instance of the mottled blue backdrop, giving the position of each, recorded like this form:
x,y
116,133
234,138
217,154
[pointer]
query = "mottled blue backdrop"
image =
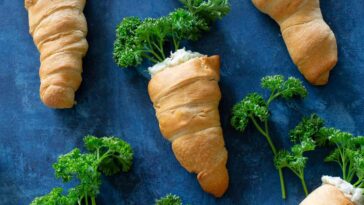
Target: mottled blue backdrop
x,y
112,101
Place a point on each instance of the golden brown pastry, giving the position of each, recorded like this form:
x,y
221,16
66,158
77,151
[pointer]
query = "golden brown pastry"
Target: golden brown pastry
x,y
335,191
186,99
59,31
310,41
326,195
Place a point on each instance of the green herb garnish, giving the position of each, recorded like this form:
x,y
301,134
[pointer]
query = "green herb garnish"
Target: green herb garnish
x,y
169,199
107,155
138,39
348,154
255,108
303,135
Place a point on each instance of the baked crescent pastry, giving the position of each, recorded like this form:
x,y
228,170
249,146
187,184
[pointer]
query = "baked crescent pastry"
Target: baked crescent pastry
x,y
59,30
186,99
335,191
327,195
309,40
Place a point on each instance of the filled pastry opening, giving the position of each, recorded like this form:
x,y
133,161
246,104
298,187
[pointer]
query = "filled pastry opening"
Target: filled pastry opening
x,y
352,193
178,57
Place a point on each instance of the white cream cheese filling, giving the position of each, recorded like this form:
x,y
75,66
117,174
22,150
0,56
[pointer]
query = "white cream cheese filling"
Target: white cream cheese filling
x,y
352,193
178,57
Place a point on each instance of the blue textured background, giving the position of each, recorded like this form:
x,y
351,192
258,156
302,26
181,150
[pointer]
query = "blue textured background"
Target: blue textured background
x,y
112,101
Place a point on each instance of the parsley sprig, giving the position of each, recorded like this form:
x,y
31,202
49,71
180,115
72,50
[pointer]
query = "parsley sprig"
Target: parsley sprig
x,y
348,154
138,39
169,199
107,155
303,135
210,10
255,108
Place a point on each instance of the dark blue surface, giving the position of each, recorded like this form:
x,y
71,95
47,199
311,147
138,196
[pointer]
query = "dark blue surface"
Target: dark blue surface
x,y
112,101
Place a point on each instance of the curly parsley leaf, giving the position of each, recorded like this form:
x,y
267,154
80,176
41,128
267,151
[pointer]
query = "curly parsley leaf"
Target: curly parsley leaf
x,y
169,199
147,39
55,197
272,83
308,128
280,87
209,10
252,106
109,155
348,153
114,154
293,87
128,49
81,166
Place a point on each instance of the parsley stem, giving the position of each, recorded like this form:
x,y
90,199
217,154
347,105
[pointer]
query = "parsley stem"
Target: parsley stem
x,y
93,200
344,167
164,56
86,198
274,149
301,175
265,134
159,58
105,155
272,97
152,59
351,171
283,186
160,49
175,43
358,182
153,53
351,174
303,182
266,127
